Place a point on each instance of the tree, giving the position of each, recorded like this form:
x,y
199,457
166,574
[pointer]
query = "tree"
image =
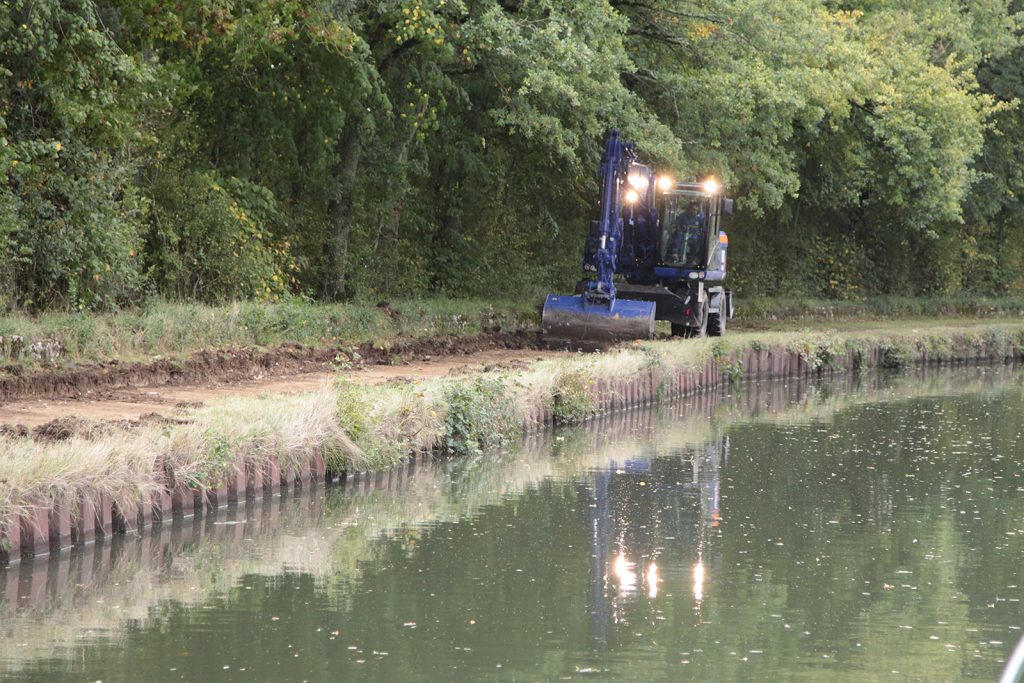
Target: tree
x,y
70,212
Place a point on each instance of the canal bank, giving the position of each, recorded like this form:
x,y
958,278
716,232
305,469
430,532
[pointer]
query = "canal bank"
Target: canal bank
x,y
383,579
121,582
104,479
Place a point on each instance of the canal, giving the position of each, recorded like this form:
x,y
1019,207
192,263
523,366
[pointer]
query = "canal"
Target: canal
x,y
849,529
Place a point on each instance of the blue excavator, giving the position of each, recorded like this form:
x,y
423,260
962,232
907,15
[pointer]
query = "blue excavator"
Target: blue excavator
x,y
664,241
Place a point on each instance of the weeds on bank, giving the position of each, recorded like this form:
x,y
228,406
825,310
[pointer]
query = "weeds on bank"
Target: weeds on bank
x,y
572,398
727,361
818,349
480,414
131,466
388,422
65,474
896,354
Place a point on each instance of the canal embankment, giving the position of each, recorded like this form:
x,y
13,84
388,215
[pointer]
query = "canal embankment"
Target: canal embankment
x,y
100,478
77,355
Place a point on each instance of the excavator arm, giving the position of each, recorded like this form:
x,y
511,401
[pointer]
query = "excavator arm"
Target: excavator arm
x,y
598,315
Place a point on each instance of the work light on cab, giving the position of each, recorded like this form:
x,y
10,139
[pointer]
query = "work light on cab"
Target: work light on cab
x,y
638,181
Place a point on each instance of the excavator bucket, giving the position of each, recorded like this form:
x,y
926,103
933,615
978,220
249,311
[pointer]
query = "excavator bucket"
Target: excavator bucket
x,y
574,320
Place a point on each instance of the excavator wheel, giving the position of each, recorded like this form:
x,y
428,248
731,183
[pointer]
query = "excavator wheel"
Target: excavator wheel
x,y
716,324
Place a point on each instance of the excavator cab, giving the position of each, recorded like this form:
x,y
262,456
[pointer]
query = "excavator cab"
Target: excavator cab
x,y
684,239
686,283
690,216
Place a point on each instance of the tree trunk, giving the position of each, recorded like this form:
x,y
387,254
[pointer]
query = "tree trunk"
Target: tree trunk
x,y
339,209
387,227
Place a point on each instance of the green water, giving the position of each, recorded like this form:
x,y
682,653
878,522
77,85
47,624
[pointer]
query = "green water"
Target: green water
x,y
857,531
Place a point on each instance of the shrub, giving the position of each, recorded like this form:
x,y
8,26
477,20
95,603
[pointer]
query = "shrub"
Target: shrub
x,y
220,456
896,354
818,350
480,414
856,348
213,239
572,400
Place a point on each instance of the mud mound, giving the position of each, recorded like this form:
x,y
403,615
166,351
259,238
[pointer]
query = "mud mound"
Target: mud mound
x,y
14,431
62,429
68,427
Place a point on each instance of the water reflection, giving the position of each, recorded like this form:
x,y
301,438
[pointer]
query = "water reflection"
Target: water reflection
x,y
698,582
652,580
641,509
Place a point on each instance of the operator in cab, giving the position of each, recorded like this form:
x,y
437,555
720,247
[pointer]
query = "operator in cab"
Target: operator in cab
x,y
687,238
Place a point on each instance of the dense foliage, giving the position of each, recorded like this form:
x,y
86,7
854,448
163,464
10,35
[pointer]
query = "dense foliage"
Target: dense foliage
x,y
217,149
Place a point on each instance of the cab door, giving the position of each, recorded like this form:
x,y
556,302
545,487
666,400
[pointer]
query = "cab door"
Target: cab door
x,y
714,226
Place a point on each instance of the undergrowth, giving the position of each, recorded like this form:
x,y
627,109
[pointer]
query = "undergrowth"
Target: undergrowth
x,y
572,400
818,349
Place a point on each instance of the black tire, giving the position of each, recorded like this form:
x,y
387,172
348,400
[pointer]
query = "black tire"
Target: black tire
x,y
716,324
581,286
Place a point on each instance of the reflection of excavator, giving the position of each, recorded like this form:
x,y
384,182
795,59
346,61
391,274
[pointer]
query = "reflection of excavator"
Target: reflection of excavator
x,y
664,240
651,521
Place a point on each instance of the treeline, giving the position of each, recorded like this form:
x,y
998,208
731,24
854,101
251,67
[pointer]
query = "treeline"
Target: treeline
x,y
218,149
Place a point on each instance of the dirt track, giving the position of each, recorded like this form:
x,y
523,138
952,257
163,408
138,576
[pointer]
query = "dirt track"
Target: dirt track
x,y
132,403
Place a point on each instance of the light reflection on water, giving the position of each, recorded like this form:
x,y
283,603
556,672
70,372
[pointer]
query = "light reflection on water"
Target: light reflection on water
x,y
797,530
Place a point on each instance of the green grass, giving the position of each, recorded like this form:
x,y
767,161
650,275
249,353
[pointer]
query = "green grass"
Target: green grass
x,y
176,330
789,310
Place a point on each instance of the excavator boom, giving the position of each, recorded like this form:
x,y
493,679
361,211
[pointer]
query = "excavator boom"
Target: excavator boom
x,y
597,314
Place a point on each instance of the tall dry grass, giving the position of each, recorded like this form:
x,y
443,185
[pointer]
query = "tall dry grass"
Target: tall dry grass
x,y
37,475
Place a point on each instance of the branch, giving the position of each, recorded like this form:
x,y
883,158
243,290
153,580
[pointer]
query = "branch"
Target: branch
x,y
865,108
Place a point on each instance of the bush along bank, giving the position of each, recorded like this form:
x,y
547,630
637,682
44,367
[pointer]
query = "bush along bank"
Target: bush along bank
x,y
102,479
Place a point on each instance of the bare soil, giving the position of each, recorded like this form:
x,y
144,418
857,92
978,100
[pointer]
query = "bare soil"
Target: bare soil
x,y
53,404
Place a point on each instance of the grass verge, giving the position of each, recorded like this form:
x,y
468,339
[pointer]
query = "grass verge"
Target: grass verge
x,y
176,330
793,310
